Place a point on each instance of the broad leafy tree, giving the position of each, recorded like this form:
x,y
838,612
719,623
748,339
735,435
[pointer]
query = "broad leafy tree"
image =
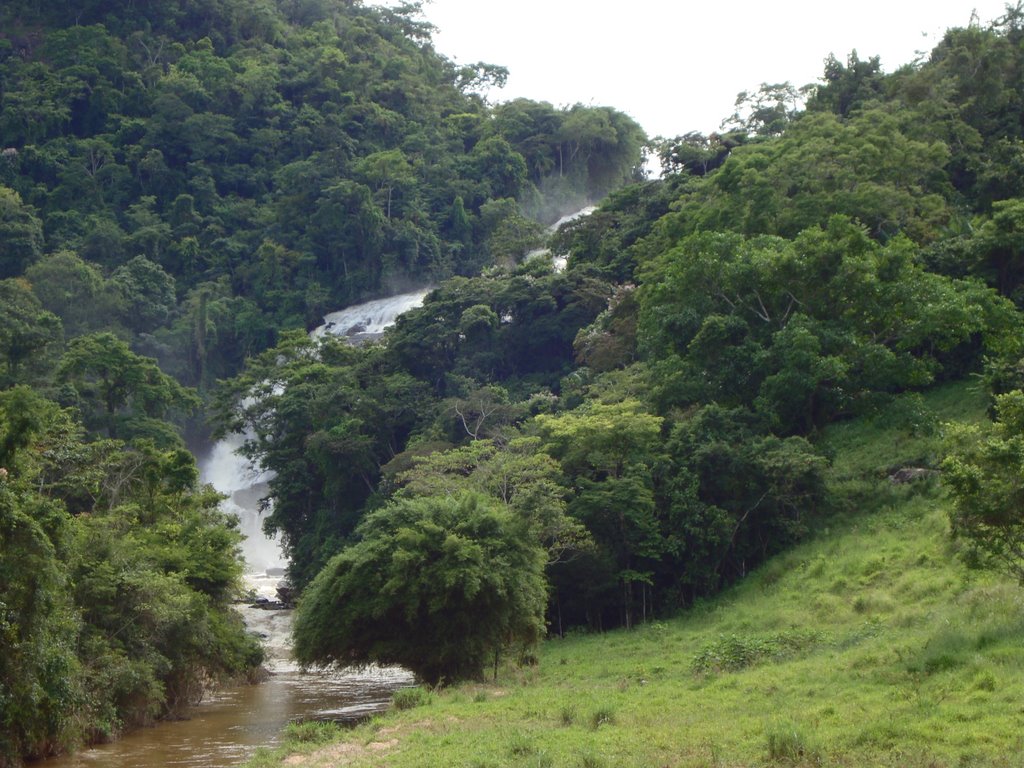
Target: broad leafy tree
x,y
21,234
984,472
120,392
28,333
441,585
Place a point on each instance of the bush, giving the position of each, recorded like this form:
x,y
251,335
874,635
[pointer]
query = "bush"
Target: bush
x,y
311,732
602,716
789,744
439,585
732,653
410,698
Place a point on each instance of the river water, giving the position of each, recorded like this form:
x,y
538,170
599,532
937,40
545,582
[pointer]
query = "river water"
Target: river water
x,y
232,723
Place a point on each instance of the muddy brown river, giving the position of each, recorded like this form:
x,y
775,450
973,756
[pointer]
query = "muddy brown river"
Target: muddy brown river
x,y
231,724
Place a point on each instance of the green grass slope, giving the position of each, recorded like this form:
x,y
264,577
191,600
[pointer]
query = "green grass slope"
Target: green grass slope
x,y
870,645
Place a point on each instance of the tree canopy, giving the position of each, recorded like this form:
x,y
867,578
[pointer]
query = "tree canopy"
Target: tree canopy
x,y
439,585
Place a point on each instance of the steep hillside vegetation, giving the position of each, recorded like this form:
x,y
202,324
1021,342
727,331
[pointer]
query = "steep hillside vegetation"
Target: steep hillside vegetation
x,y
870,644
200,175
180,183
800,270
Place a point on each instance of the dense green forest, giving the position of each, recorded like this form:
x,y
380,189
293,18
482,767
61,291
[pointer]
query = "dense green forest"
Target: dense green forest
x,y
650,417
201,175
186,189
182,184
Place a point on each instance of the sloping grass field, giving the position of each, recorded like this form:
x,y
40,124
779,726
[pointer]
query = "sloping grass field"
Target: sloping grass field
x,y
872,644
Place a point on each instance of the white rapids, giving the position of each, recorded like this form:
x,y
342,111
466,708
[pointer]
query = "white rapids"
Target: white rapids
x,y
370,319
559,261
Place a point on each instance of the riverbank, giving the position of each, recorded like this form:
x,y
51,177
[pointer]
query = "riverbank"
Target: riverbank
x,y
872,644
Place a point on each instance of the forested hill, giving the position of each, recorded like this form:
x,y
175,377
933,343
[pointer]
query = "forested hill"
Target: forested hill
x,y
649,419
198,174
192,183
181,181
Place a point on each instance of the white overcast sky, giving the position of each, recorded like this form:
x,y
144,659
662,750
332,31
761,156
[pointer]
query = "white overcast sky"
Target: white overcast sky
x,y
677,66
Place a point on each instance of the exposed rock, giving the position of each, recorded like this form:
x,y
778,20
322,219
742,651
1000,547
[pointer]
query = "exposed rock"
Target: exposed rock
x,y
263,604
285,593
911,475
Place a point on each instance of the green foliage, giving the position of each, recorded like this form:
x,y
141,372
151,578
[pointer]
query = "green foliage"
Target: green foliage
x,y
147,294
40,673
29,334
120,613
311,732
75,291
21,234
119,390
823,166
596,148
610,450
602,716
538,319
439,585
754,322
983,472
735,495
766,112
733,653
409,698
848,88
516,473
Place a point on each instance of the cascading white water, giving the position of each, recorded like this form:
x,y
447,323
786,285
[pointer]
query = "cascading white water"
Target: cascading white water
x,y
371,319
232,474
585,211
559,261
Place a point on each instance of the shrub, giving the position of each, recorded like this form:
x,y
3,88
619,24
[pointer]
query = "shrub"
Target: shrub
x,y
311,732
789,744
602,716
732,653
410,698
438,585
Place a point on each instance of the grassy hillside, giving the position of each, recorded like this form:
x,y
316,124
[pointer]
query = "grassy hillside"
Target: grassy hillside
x,y
872,644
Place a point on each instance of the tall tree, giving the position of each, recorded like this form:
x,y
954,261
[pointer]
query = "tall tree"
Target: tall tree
x,y
440,585
21,234
983,471
28,333
123,392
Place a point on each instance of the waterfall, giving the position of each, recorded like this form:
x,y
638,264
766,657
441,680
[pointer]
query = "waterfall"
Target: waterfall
x,y
371,319
558,260
233,475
